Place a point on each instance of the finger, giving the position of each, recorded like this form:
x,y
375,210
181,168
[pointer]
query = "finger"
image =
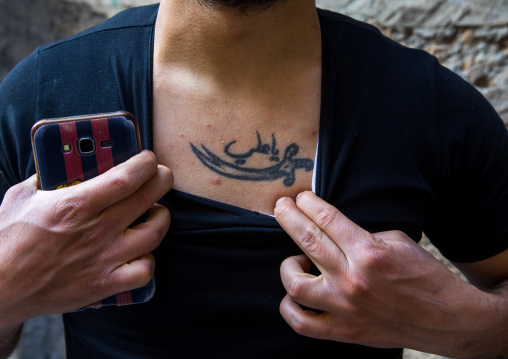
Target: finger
x,y
300,262
302,287
143,238
305,322
134,274
295,266
157,215
128,209
331,221
323,252
118,183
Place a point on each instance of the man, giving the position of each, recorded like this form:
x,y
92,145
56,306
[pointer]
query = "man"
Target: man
x,y
255,105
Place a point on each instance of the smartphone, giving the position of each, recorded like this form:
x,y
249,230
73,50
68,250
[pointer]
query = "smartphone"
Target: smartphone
x,y
74,149
70,150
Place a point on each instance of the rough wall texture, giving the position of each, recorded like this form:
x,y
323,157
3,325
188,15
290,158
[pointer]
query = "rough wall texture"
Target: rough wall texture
x,y
468,36
26,24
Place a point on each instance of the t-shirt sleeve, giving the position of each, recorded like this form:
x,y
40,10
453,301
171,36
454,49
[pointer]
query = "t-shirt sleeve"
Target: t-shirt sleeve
x,y
18,92
469,220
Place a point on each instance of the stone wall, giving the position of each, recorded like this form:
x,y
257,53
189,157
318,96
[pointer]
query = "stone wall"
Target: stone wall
x,y
468,36
26,24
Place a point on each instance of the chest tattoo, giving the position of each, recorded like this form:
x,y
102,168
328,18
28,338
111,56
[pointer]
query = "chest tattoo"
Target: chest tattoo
x,y
236,165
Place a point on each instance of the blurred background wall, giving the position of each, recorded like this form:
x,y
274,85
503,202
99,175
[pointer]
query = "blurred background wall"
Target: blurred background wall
x,y
468,36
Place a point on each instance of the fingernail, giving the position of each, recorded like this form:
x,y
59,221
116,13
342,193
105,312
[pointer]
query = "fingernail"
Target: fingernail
x,y
299,194
280,200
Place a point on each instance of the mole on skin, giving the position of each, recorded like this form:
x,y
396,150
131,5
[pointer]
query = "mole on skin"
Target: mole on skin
x,y
217,181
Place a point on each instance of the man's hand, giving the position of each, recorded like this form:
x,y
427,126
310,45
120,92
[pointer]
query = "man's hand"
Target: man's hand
x,y
61,250
8,340
380,290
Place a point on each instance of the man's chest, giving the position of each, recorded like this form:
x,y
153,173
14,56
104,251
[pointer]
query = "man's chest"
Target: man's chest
x,y
240,153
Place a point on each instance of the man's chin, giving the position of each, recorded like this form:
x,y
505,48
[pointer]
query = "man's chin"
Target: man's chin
x,y
241,5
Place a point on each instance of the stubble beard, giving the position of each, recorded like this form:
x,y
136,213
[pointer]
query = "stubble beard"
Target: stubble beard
x,y
240,5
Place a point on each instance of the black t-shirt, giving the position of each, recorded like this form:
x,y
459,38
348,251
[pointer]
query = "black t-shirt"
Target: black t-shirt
x,y
404,144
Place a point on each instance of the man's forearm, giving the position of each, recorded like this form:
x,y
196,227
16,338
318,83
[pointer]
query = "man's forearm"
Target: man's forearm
x,y
492,333
500,336
8,340
485,335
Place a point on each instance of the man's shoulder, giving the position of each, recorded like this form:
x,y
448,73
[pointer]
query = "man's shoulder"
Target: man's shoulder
x,y
339,19
138,17
371,58
366,39
103,69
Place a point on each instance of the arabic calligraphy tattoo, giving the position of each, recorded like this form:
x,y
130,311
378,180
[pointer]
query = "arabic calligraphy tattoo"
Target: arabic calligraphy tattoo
x,y
233,165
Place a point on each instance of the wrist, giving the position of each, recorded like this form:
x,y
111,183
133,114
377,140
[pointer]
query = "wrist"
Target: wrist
x,y
485,321
499,313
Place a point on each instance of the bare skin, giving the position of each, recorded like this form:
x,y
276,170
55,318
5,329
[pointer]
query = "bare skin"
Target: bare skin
x,y
221,76
64,249
8,340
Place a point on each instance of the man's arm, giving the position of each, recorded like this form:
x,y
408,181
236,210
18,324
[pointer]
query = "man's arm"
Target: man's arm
x,y
62,250
384,290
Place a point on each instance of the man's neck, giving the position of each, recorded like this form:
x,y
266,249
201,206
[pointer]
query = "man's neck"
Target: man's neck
x,y
230,49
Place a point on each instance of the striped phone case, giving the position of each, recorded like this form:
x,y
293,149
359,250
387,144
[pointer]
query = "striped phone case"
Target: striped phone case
x,y
71,150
